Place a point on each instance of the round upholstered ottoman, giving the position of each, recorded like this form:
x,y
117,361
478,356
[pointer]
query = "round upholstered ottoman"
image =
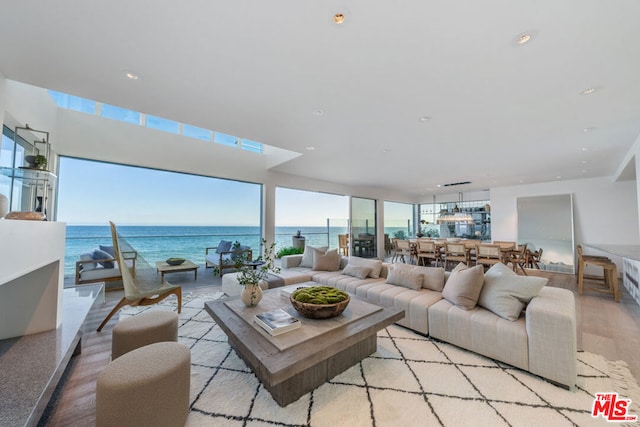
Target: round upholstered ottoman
x,y
142,329
148,386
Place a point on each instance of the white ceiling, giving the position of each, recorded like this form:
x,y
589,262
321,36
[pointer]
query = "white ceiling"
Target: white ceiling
x,y
500,114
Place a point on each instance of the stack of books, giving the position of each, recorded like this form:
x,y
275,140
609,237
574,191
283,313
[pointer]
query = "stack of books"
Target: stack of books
x,y
277,321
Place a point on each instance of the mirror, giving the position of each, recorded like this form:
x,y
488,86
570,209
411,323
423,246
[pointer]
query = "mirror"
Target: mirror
x,y
546,222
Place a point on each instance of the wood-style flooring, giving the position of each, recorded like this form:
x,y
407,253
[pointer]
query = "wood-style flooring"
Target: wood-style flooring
x,y
604,327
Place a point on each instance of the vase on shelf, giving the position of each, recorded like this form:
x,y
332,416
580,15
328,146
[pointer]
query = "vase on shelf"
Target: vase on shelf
x,y
251,294
4,205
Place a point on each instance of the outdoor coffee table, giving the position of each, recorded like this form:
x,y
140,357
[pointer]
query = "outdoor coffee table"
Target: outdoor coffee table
x,y
296,362
164,268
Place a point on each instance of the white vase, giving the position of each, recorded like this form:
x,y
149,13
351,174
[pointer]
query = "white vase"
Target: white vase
x,y
251,295
4,205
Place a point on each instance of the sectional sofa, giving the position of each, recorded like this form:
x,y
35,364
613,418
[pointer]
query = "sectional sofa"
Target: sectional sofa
x,y
499,314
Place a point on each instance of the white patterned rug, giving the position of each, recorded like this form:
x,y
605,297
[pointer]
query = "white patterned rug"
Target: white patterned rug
x,y
411,380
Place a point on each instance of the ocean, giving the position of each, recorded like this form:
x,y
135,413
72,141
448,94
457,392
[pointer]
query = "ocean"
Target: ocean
x,y
156,243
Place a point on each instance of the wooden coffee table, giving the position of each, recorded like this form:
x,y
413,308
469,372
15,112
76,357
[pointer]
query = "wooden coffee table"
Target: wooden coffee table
x,y
296,362
164,268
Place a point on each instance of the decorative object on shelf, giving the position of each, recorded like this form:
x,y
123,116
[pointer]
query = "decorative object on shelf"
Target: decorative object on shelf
x,y
38,204
30,161
27,216
298,240
4,205
319,302
250,277
40,161
175,261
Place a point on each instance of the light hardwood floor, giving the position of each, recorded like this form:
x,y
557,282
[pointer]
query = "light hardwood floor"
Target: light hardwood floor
x,y
603,327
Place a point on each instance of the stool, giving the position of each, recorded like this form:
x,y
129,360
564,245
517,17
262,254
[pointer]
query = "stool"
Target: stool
x,y
148,386
610,276
142,329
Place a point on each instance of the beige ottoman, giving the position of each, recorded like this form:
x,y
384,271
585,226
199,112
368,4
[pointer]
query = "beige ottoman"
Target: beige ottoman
x,y
142,329
148,386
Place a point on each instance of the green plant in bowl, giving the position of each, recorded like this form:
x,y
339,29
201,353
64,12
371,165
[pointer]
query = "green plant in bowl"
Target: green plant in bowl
x,y
175,261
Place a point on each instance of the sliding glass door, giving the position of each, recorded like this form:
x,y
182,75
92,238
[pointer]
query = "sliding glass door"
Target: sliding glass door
x,y
363,239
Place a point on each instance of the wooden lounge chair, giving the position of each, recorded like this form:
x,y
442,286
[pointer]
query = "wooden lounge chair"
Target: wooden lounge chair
x,y
137,292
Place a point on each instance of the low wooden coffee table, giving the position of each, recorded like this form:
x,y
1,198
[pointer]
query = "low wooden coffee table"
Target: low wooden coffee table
x,y
164,268
296,362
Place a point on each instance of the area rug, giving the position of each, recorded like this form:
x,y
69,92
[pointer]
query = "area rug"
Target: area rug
x,y
411,380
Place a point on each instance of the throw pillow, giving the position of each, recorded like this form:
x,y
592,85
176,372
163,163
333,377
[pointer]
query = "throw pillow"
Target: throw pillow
x,y
464,286
99,255
505,293
408,279
374,264
86,266
108,249
359,272
307,255
433,277
328,261
223,246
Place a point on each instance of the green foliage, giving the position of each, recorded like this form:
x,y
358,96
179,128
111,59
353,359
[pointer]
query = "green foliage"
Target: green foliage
x,y
289,251
319,295
400,234
247,275
432,232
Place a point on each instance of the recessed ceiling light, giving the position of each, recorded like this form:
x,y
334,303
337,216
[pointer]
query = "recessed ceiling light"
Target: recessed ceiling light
x,y
310,148
558,177
338,18
589,129
584,149
131,75
424,118
522,38
318,112
386,150
584,162
588,91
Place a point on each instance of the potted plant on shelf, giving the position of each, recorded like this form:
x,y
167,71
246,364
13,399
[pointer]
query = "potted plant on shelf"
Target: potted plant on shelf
x,y
251,273
40,161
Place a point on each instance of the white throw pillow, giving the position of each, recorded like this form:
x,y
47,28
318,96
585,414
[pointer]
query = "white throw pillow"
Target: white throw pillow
x,y
307,256
433,277
505,293
359,272
374,264
329,261
407,279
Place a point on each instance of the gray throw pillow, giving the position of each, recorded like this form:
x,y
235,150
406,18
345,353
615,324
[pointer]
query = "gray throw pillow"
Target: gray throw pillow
x,y
99,255
223,246
359,272
505,293
374,264
109,250
407,279
464,286
433,277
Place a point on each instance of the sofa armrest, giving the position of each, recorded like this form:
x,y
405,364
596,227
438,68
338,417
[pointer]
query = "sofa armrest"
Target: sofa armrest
x,y
290,261
551,330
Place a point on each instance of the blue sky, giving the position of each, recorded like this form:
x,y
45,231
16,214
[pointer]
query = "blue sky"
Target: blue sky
x,y
94,193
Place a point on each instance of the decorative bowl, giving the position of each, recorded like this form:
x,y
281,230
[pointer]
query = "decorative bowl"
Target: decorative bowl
x,y
319,310
174,261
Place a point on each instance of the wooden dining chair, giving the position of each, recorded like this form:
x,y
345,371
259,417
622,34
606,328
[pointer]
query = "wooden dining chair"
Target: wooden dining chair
x,y
403,251
488,254
455,252
518,259
343,244
610,276
427,252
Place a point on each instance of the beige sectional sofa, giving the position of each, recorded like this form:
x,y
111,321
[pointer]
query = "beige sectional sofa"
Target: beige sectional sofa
x,y
540,339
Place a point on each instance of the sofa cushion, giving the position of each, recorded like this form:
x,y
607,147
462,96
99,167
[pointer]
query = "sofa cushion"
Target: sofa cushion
x,y
359,272
223,246
464,286
329,261
433,277
374,264
86,266
100,255
405,278
505,293
307,256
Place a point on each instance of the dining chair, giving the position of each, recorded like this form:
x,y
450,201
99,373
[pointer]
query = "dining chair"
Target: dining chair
x,y
534,258
610,271
403,250
427,252
455,252
518,258
488,254
343,244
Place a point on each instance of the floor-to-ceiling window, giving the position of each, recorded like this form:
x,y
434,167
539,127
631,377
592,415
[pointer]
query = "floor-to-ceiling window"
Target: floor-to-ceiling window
x,y
319,217
398,219
363,240
163,214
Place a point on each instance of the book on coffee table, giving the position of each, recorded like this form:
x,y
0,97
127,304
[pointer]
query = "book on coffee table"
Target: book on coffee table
x,y
277,321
